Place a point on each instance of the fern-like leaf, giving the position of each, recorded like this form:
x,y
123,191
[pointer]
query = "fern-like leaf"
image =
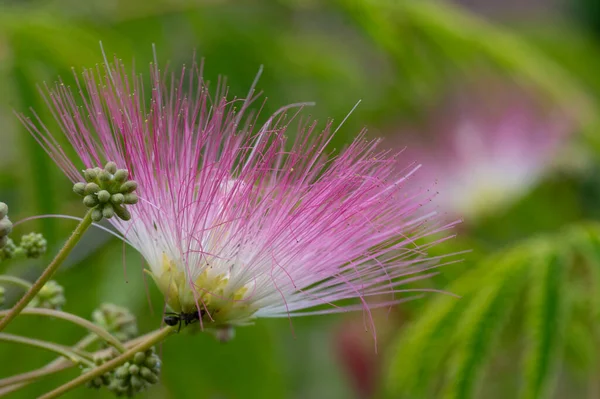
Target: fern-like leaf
x,y
482,322
545,324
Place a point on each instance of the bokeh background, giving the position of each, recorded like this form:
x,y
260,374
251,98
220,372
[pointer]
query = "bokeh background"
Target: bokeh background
x,y
498,100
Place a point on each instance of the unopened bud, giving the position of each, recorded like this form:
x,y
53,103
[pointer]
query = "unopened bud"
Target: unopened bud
x,y
117,199
90,175
96,215
107,192
131,199
91,188
90,201
121,176
79,188
117,320
33,245
3,210
108,211
122,212
5,227
103,196
51,296
111,168
129,186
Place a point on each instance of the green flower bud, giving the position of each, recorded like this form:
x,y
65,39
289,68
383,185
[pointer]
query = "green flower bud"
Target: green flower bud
x,y
117,320
96,215
2,292
108,211
117,199
5,227
151,362
139,358
3,210
122,372
90,201
128,187
79,188
121,176
3,242
103,196
131,199
90,175
137,383
134,369
104,192
9,250
104,176
111,168
148,375
91,188
33,245
122,212
51,296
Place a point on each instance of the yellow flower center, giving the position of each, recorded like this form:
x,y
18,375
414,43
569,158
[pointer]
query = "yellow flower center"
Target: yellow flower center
x,y
210,292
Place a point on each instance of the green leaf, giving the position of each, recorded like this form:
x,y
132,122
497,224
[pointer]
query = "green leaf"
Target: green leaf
x,y
419,351
482,322
545,324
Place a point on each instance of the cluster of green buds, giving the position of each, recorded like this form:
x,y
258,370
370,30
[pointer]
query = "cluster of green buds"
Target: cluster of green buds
x,y
5,225
136,376
9,251
103,380
33,245
107,192
117,320
51,296
132,377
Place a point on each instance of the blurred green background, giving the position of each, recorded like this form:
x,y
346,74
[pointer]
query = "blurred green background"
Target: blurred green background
x,y
526,325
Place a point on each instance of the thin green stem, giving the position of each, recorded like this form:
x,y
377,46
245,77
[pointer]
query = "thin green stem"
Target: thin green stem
x,y
57,365
85,223
19,282
152,340
67,352
88,325
12,383
15,382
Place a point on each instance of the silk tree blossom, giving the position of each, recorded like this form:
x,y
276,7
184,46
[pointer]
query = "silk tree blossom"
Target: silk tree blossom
x,y
488,147
236,220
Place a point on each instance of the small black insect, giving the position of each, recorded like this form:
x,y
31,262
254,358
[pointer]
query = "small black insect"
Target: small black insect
x,y
172,319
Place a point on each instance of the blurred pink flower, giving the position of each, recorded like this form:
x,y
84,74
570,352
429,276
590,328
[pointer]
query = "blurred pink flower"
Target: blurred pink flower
x,y
235,220
488,146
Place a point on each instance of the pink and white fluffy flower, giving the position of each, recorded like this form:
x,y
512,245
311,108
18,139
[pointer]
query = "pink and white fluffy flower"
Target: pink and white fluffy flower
x,y
488,147
235,220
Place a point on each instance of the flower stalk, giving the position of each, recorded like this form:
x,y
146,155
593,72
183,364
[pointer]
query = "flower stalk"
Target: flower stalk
x,y
152,340
73,355
85,223
16,281
93,328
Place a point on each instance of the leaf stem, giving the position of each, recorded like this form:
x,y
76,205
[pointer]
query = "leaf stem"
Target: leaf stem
x,y
19,282
85,223
73,355
152,340
59,364
88,325
12,383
